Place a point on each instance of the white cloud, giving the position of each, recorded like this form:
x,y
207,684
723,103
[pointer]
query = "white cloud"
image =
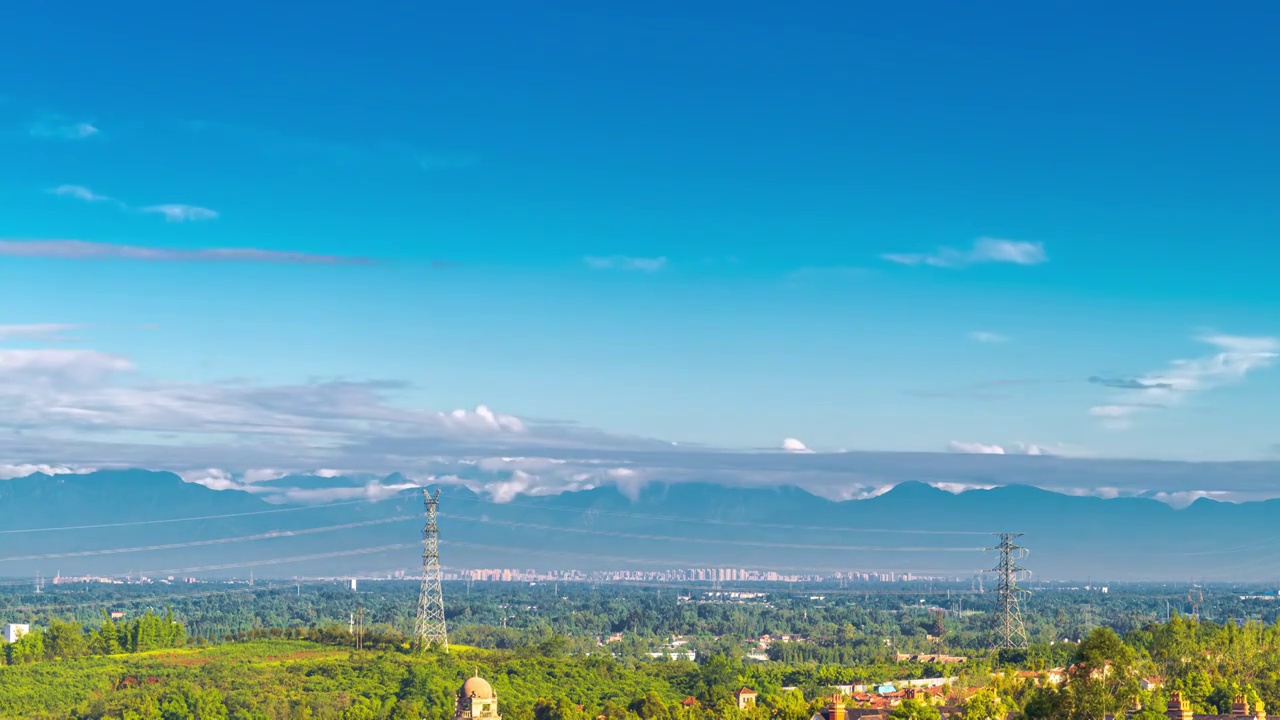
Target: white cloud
x,y
79,192
1237,356
373,492
212,478
974,448
180,213
257,475
984,251
482,418
793,445
1184,498
36,331
88,250
622,262
984,336
956,488
61,367
9,472
57,128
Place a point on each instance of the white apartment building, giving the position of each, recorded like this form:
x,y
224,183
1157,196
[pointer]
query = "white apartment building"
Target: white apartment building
x,y
13,631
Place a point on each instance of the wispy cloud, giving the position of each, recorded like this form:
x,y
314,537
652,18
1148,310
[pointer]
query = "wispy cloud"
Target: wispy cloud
x,y
1123,383
53,127
984,251
984,336
1236,357
173,212
180,213
87,250
623,262
80,192
37,331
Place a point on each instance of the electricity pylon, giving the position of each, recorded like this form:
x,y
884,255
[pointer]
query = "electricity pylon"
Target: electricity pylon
x,y
428,628
1010,633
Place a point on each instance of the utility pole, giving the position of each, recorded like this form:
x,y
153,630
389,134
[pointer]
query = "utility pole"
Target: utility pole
x,y
1010,632
429,628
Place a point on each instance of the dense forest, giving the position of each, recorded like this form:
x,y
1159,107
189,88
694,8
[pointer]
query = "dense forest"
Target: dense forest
x,y
572,653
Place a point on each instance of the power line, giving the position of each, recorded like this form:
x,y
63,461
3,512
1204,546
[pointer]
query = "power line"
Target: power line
x,y
271,561
144,599
199,518
717,521
666,562
217,541
722,541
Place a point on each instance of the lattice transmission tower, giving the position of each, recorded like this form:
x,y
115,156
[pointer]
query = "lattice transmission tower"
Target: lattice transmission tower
x,y
428,628
1010,632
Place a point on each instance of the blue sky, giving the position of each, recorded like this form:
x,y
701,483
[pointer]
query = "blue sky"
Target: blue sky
x,y
912,227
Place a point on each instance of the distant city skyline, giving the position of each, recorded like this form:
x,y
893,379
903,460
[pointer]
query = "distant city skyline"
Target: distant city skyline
x,y
577,260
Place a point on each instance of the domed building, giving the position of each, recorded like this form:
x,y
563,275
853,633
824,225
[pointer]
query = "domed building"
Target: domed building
x,y
477,701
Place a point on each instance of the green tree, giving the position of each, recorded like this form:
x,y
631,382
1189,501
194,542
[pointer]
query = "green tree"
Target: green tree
x,y
984,705
914,710
28,649
106,639
64,640
1046,703
788,706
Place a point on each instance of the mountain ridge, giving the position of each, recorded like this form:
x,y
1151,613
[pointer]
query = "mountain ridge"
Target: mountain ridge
x,y
913,527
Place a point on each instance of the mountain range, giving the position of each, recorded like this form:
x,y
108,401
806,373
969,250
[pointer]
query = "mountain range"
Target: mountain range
x,y
134,521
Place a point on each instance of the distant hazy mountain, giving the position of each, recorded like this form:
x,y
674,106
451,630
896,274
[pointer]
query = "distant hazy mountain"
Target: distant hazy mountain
x,y
914,527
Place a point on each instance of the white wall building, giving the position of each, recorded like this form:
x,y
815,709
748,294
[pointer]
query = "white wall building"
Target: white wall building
x,y
13,631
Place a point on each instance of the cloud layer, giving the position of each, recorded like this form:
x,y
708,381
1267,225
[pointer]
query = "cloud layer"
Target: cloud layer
x,y
975,448
984,251
69,410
